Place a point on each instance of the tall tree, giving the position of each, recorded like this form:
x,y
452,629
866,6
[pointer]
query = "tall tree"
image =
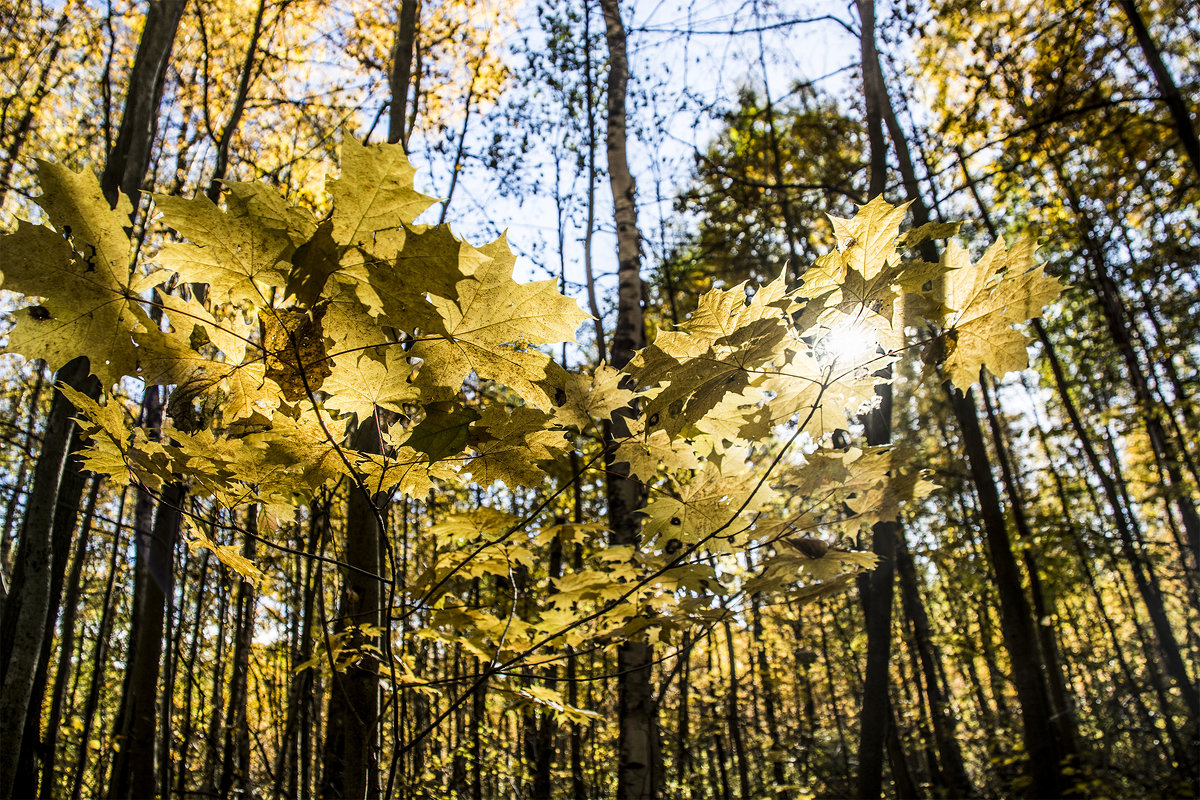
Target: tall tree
x,y
638,772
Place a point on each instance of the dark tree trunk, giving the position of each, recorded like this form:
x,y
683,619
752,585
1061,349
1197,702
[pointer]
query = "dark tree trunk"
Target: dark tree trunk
x,y
242,93
1061,701
638,772
1016,620
873,91
99,653
235,765
351,764
10,511
186,729
129,160
49,745
942,718
26,611
134,772
776,750
732,719
66,516
401,72
1180,116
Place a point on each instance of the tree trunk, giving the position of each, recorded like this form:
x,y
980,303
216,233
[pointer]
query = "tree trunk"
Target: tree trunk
x,y
25,613
10,512
401,73
49,745
1168,453
732,719
1166,84
638,773
99,653
776,750
134,772
1061,701
225,140
1016,622
186,729
235,766
33,99
954,770
351,766
1123,513
129,160
873,91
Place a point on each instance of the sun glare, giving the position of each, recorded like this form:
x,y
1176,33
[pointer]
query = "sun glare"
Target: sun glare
x,y
848,344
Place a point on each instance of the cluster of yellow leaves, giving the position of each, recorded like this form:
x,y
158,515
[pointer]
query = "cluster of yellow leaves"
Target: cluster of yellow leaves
x,y
292,328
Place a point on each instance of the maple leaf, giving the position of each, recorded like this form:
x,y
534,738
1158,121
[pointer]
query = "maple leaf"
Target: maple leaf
x,y
866,243
509,446
242,252
118,449
708,501
477,524
396,287
91,295
489,326
229,555
489,307
374,193
819,398
443,431
294,343
645,455
407,471
301,448
358,382
1005,287
588,397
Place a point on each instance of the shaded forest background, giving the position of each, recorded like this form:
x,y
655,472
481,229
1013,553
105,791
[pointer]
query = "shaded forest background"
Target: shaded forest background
x,y
1034,625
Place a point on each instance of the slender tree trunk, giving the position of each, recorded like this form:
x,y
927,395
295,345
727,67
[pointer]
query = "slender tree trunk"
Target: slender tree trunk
x,y
459,151
1061,702
732,719
1017,625
66,514
186,730
873,91
351,766
235,766
942,718
590,226
66,646
1122,511
25,613
300,691
897,760
1180,116
99,653
173,639
129,160
401,73
33,100
241,94
579,788
776,750
134,773
10,511
638,772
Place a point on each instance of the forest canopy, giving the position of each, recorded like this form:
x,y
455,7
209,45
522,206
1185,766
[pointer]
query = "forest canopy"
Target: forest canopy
x,y
870,468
